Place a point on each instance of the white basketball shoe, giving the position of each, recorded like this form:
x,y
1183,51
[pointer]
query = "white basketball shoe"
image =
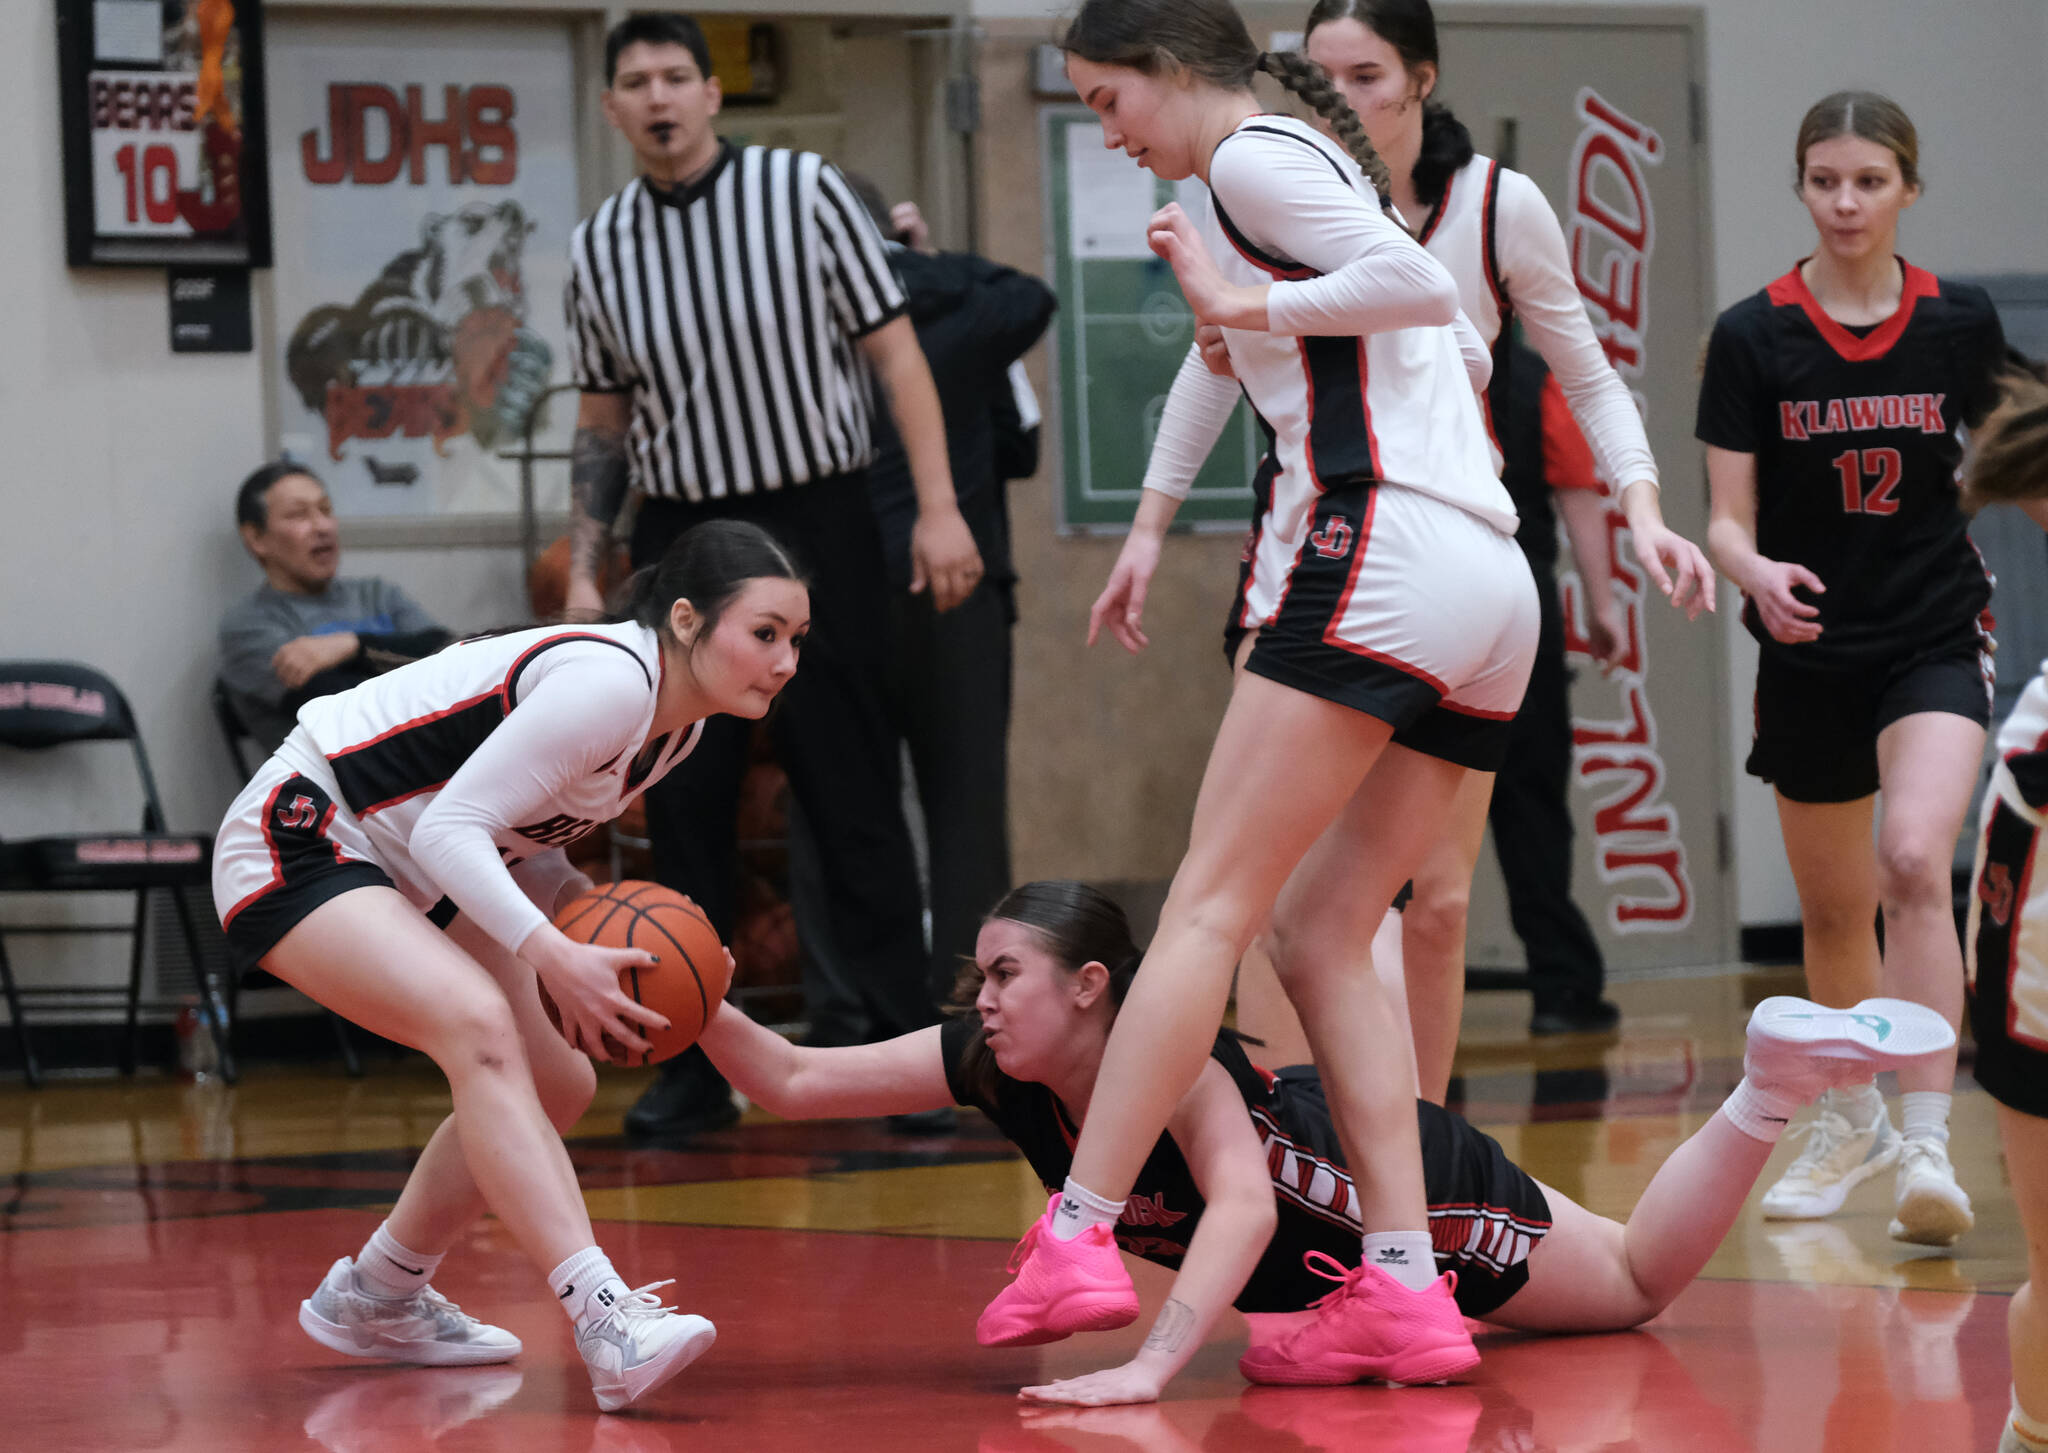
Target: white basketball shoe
x,y
1815,1053
640,1344
425,1327
1932,1210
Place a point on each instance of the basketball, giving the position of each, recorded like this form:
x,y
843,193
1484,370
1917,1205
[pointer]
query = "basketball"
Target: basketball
x,y
684,987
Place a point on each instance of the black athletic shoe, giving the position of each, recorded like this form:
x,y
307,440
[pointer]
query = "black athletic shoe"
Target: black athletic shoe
x,y
688,1097
1577,1015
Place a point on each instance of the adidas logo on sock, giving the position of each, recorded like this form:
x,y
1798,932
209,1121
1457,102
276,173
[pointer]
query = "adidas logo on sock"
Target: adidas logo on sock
x,y
1069,1206
1390,1256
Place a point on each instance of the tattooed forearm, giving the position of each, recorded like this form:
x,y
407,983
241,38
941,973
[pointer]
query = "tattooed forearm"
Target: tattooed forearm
x,y
1170,1333
598,476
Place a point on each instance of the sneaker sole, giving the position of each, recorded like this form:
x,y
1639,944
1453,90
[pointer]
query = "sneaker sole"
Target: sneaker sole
x,y
1917,1031
334,1336
1822,1207
1078,1312
1930,1220
645,1378
1436,1365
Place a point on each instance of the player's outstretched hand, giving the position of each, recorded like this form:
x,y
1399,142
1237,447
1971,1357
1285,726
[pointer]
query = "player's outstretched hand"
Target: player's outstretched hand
x,y
1121,607
1789,619
1131,1383
583,980
1678,566
1215,353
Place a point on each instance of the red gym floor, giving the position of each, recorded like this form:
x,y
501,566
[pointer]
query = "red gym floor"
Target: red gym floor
x,y
156,1240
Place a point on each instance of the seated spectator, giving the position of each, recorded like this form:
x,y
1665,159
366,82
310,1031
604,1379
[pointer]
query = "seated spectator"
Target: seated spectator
x,y
306,632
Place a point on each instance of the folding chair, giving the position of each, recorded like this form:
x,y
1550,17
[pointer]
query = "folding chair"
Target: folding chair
x,y
45,704
236,734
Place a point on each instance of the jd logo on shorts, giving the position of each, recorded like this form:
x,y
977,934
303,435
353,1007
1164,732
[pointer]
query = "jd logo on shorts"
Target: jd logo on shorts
x,y
1333,540
299,815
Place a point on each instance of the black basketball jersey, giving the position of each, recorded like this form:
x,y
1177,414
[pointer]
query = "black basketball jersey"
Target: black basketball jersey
x,y
1857,436
1485,1214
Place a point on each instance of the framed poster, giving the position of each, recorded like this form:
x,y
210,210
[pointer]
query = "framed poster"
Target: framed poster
x,y
1120,335
164,138
425,178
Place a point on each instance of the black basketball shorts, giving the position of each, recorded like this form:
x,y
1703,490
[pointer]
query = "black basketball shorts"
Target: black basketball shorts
x,y
1816,730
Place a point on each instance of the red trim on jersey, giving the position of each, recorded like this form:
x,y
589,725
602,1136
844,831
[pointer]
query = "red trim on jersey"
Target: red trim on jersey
x,y
1567,457
1488,262
1791,291
1308,438
2020,892
1436,213
1372,440
276,858
418,721
1264,265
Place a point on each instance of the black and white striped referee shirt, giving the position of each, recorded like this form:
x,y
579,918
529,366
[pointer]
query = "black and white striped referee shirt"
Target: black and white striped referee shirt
x,y
730,310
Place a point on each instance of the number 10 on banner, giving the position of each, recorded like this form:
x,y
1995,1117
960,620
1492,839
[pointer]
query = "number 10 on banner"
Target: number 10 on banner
x,y
136,178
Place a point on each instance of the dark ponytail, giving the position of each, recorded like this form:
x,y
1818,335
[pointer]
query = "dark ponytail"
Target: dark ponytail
x,y
707,565
1409,26
1304,78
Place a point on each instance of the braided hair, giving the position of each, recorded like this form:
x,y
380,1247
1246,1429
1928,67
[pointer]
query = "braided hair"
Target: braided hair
x,y
1208,39
1304,78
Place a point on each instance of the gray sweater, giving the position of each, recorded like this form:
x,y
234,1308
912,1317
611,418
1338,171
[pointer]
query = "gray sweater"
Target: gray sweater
x,y
390,624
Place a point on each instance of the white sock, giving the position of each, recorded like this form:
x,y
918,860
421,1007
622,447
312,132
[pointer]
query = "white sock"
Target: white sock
x,y
1860,1105
1760,1111
1406,1256
2032,1436
587,1287
1925,1113
1079,1208
384,1268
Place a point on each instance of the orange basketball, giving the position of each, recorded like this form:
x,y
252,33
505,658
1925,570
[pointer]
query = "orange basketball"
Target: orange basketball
x,y
687,983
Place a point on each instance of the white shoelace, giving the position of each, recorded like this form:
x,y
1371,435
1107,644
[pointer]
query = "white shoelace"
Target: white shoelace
x,y
1827,1133
642,1301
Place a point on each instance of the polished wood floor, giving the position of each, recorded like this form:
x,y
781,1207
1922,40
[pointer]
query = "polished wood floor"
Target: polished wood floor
x,y
156,1237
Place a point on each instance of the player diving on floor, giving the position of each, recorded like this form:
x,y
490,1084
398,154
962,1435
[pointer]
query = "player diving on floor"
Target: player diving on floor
x,y
1247,1196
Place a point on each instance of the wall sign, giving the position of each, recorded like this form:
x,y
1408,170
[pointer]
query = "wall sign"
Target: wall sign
x,y
426,187
164,140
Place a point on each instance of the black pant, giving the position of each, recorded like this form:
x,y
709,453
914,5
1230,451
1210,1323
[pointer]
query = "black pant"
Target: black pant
x,y
833,737
1532,823
950,698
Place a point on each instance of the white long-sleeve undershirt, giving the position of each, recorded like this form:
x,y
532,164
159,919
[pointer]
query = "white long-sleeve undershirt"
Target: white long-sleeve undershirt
x,y
1537,268
580,715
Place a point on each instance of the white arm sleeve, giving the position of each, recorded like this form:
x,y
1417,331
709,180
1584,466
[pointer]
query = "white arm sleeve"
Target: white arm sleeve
x,y
577,716
1198,407
1376,278
1539,278
1472,348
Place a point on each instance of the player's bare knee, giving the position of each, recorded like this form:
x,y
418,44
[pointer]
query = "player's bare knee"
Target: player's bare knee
x,y
1912,873
477,1033
1437,917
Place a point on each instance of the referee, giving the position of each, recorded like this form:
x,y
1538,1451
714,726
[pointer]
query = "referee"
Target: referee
x,y
725,311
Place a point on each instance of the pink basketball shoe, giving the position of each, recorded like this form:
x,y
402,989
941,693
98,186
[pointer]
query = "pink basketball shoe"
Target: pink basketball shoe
x,y
1371,1327
1062,1287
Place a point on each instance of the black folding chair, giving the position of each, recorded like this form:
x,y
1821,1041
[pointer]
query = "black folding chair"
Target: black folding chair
x,y
236,734
45,704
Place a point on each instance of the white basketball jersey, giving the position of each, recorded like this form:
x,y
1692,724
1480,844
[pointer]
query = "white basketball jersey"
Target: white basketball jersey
x,y
1394,407
387,748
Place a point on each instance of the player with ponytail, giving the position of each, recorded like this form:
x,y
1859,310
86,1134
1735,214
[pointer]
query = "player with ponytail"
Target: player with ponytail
x,y
1381,648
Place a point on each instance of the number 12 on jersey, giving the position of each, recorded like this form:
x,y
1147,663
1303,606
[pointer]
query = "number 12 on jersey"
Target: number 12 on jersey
x,y
1882,467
